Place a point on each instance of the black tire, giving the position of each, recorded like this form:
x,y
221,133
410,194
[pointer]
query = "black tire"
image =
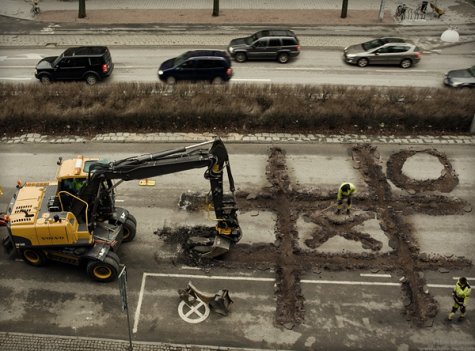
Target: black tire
x,y
91,79
241,57
217,80
45,79
129,229
283,57
34,257
171,80
132,218
103,271
114,256
362,62
406,63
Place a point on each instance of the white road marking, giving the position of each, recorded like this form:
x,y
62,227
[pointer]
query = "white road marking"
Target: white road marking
x,y
192,268
375,275
347,282
9,67
219,277
250,80
333,70
139,304
22,57
209,277
468,278
196,313
12,78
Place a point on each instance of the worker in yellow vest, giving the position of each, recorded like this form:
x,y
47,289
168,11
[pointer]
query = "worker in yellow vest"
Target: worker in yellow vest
x,y
345,192
461,293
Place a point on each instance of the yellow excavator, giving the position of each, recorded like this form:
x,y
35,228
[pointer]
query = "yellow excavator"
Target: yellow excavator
x,y
74,219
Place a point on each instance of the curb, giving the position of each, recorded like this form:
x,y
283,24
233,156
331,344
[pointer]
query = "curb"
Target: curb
x,y
262,138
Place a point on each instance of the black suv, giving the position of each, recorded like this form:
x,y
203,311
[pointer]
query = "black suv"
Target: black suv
x,y
272,44
197,65
89,63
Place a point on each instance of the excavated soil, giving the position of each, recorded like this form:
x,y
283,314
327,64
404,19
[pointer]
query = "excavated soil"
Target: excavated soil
x,y
289,261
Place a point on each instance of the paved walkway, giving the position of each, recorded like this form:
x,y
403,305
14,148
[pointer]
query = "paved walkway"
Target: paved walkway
x,y
243,138
36,342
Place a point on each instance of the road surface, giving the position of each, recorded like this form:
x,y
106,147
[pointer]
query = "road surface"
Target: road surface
x,y
313,67
344,308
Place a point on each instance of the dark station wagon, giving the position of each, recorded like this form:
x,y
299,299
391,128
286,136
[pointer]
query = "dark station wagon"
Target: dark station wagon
x,y
271,44
197,65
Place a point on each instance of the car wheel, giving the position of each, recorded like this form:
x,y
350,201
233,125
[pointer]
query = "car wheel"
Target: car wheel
x,y
91,79
362,62
241,57
34,257
45,79
406,63
283,57
171,80
217,81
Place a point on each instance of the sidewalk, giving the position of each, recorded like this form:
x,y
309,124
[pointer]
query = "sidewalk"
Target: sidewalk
x,y
179,23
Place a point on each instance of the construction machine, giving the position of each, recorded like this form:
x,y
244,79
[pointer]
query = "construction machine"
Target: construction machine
x,y
75,220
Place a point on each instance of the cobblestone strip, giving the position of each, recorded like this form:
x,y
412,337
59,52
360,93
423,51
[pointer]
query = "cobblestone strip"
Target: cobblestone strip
x,y
154,39
265,138
38,342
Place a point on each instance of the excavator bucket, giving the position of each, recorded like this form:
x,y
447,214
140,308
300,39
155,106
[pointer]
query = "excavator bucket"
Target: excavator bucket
x,y
220,247
221,302
218,302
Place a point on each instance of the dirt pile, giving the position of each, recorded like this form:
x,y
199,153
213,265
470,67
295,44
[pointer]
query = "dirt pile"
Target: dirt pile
x,y
290,260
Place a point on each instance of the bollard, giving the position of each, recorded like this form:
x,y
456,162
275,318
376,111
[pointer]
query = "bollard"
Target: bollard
x,y
344,8
381,10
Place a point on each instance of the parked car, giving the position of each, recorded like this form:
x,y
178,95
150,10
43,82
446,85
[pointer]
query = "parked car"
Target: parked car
x,y
461,78
89,63
383,51
197,65
271,44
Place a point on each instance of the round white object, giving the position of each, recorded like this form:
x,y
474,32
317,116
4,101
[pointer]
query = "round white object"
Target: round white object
x,y
450,36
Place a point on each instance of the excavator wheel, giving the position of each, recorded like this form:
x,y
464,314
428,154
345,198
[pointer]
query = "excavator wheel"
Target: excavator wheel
x,y
129,229
132,218
34,257
103,271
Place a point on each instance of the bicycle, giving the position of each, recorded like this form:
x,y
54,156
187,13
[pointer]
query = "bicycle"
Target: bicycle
x,y
35,8
401,12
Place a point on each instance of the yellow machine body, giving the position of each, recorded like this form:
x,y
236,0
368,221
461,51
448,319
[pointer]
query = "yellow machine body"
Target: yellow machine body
x,y
34,224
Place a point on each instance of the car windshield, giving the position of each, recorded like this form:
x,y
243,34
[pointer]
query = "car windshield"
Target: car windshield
x,y
180,59
372,44
471,70
252,38
56,61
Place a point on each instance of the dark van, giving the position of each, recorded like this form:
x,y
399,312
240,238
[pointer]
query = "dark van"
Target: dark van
x,y
197,65
89,63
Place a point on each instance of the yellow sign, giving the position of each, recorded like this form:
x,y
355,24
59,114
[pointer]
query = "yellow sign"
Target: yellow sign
x,y
146,182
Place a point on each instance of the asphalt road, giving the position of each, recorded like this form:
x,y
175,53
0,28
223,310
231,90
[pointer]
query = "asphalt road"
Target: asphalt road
x,y
350,309
313,66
